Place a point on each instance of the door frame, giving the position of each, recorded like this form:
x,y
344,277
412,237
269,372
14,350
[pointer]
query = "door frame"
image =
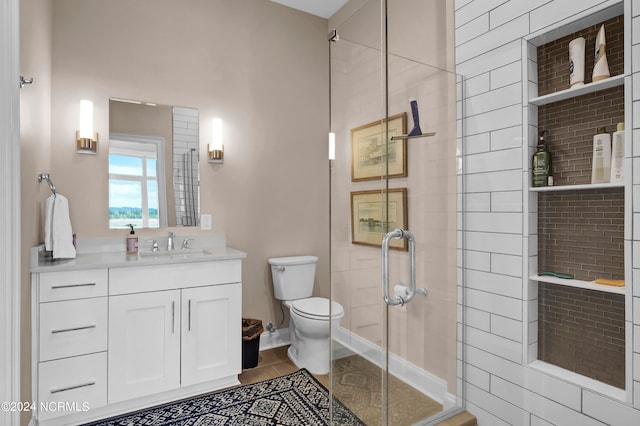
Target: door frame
x,y
10,209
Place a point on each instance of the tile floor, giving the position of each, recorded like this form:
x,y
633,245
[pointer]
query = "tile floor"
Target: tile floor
x,y
274,362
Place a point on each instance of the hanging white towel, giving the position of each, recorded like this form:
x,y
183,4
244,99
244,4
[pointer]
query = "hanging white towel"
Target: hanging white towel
x,y
48,219
57,223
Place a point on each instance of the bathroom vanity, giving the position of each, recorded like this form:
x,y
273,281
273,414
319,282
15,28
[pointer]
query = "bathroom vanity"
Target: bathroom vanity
x,y
114,333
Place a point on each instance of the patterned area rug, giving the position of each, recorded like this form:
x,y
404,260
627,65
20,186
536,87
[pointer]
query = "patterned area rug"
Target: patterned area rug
x,y
295,399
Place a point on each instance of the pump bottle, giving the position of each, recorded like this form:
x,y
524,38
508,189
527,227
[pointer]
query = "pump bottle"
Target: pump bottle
x,y
132,241
541,163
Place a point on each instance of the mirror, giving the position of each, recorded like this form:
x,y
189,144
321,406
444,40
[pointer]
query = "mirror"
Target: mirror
x,y
154,180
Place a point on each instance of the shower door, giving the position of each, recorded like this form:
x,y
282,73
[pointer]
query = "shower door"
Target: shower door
x,y
395,249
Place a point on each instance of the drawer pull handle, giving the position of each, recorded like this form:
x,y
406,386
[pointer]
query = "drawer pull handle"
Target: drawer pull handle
x,y
55,287
173,317
68,388
64,330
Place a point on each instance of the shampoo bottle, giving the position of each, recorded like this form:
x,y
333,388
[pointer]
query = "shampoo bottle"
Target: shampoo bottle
x,y
541,163
601,165
617,155
132,241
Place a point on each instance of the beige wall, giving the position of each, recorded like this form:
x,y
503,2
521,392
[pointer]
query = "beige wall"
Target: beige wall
x,y
258,65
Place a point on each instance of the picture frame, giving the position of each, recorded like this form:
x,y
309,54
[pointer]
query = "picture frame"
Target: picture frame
x,y
368,222
369,153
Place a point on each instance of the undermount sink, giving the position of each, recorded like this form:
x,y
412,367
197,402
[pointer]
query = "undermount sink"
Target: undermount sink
x,y
175,254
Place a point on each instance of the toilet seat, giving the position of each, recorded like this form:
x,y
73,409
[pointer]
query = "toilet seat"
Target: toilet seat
x,y
317,308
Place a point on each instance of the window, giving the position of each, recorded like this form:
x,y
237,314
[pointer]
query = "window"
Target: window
x,y
135,182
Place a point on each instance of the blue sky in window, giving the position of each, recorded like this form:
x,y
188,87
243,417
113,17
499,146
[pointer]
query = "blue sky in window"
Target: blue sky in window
x,y
124,193
125,165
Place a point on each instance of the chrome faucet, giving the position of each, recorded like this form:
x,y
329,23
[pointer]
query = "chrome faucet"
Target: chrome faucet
x,y
154,245
170,238
185,244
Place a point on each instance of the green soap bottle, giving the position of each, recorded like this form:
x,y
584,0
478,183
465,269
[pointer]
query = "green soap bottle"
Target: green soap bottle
x,y
541,163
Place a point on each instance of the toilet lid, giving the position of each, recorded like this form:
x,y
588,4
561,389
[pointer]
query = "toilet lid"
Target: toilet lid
x,y
317,307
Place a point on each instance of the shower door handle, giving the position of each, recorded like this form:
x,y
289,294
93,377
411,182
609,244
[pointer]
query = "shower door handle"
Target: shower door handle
x,y
411,291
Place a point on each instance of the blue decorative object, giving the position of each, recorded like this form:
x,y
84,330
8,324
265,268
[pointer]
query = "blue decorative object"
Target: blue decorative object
x,y
416,119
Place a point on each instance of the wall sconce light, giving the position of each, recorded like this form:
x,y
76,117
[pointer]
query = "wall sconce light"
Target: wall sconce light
x,y
86,138
216,148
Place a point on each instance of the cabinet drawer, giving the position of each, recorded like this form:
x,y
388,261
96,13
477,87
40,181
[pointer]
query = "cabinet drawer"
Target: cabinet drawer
x,y
166,277
73,284
73,327
80,382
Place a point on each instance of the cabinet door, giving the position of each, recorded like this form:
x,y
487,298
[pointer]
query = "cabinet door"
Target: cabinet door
x,y
144,344
211,333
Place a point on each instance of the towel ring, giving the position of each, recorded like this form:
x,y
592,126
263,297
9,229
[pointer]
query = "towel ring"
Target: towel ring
x,y
45,176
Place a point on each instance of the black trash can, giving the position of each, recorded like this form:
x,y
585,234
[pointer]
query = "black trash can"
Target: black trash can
x,y
251,331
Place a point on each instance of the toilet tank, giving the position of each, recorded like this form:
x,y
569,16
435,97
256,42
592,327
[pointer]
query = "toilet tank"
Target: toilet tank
x,y
293,276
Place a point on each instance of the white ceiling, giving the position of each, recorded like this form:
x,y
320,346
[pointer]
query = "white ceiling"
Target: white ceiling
x,y
322,8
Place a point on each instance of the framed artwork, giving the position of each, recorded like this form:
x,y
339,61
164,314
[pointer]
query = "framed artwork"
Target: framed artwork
x,y
369,149
369,223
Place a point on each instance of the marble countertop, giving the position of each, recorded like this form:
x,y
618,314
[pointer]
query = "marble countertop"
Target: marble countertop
x,y
99,253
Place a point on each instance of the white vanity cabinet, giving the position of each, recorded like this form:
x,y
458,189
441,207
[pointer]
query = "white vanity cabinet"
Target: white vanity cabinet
x,y
133,334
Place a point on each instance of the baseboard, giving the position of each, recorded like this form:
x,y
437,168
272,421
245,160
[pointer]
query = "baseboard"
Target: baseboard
x,y
422,380
274,339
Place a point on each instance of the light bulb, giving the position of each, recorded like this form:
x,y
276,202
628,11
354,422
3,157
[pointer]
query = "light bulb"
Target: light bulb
x,y
86,119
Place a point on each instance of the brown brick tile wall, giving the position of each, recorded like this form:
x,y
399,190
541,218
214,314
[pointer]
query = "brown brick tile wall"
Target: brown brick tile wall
x,y
582,331
553,57
571,125
582,233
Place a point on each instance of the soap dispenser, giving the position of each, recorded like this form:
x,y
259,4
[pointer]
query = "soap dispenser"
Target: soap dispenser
x,y
541,163
132,241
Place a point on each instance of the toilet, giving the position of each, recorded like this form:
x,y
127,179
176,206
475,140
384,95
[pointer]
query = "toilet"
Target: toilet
x,y
293,279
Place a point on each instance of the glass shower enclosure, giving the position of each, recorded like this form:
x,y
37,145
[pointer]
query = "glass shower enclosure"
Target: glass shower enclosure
x,y
396,227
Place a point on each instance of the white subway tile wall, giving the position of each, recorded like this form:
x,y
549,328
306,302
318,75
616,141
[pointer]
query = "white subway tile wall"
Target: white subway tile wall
x,y
186,143
501,389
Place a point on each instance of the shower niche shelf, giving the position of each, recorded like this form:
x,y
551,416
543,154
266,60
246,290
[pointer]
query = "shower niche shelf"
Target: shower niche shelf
x,y
589,285
613,81
578,226
582,187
